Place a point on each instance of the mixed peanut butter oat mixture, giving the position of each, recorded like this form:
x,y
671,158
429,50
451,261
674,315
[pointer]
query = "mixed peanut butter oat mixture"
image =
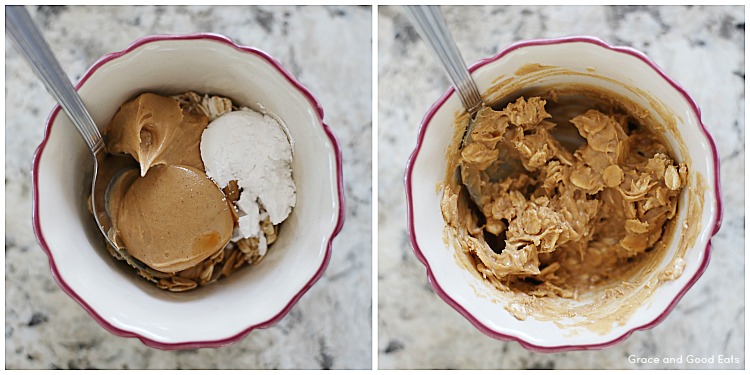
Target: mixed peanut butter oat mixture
x,y
552,215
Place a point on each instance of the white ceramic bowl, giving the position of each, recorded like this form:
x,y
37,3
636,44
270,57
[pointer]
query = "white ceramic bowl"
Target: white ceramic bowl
x,y
622,68
254,297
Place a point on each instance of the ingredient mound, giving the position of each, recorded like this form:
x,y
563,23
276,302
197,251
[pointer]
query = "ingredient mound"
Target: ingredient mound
x,y
193,187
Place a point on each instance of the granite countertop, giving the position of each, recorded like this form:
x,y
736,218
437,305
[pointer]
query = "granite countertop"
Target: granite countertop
x,y
330,327
701,47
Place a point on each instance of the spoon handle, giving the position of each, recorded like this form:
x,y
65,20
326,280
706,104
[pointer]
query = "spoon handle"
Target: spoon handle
x,y
431,26
37,53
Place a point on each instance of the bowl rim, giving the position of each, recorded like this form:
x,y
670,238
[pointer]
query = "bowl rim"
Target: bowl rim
x,y
410,209
329,238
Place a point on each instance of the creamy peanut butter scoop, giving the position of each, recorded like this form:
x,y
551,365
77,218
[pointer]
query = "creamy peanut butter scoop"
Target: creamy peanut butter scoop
x,y
172,216
143,128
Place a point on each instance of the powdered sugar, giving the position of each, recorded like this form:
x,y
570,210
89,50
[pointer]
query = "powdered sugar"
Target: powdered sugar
x,y
253,149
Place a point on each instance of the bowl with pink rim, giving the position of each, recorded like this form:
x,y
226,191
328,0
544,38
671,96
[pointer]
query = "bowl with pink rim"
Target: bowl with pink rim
x,y
226,311
653,292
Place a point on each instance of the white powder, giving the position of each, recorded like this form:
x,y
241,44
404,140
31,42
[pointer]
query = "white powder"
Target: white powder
x,y
254,150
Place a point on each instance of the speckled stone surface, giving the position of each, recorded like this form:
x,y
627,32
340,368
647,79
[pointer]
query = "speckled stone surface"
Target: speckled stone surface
x,y
329,50
700,47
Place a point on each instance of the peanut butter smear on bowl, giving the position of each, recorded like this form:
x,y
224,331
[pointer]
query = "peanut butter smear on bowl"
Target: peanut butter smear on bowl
x,y
564,218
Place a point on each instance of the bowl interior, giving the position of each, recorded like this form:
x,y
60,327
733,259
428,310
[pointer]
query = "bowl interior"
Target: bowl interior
x,y
252,296
620,72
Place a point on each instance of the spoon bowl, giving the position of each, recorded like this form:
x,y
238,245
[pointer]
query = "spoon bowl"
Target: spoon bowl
x,y
220,313
628,73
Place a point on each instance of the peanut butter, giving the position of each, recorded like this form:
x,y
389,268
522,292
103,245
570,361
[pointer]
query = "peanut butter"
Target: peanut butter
x,y
173,218
154,130
169,214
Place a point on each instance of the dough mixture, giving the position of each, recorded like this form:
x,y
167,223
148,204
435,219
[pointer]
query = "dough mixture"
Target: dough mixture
x,y
563,201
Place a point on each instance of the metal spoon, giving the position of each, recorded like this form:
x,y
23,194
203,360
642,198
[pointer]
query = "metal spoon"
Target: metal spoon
x,y
431,26
35,50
